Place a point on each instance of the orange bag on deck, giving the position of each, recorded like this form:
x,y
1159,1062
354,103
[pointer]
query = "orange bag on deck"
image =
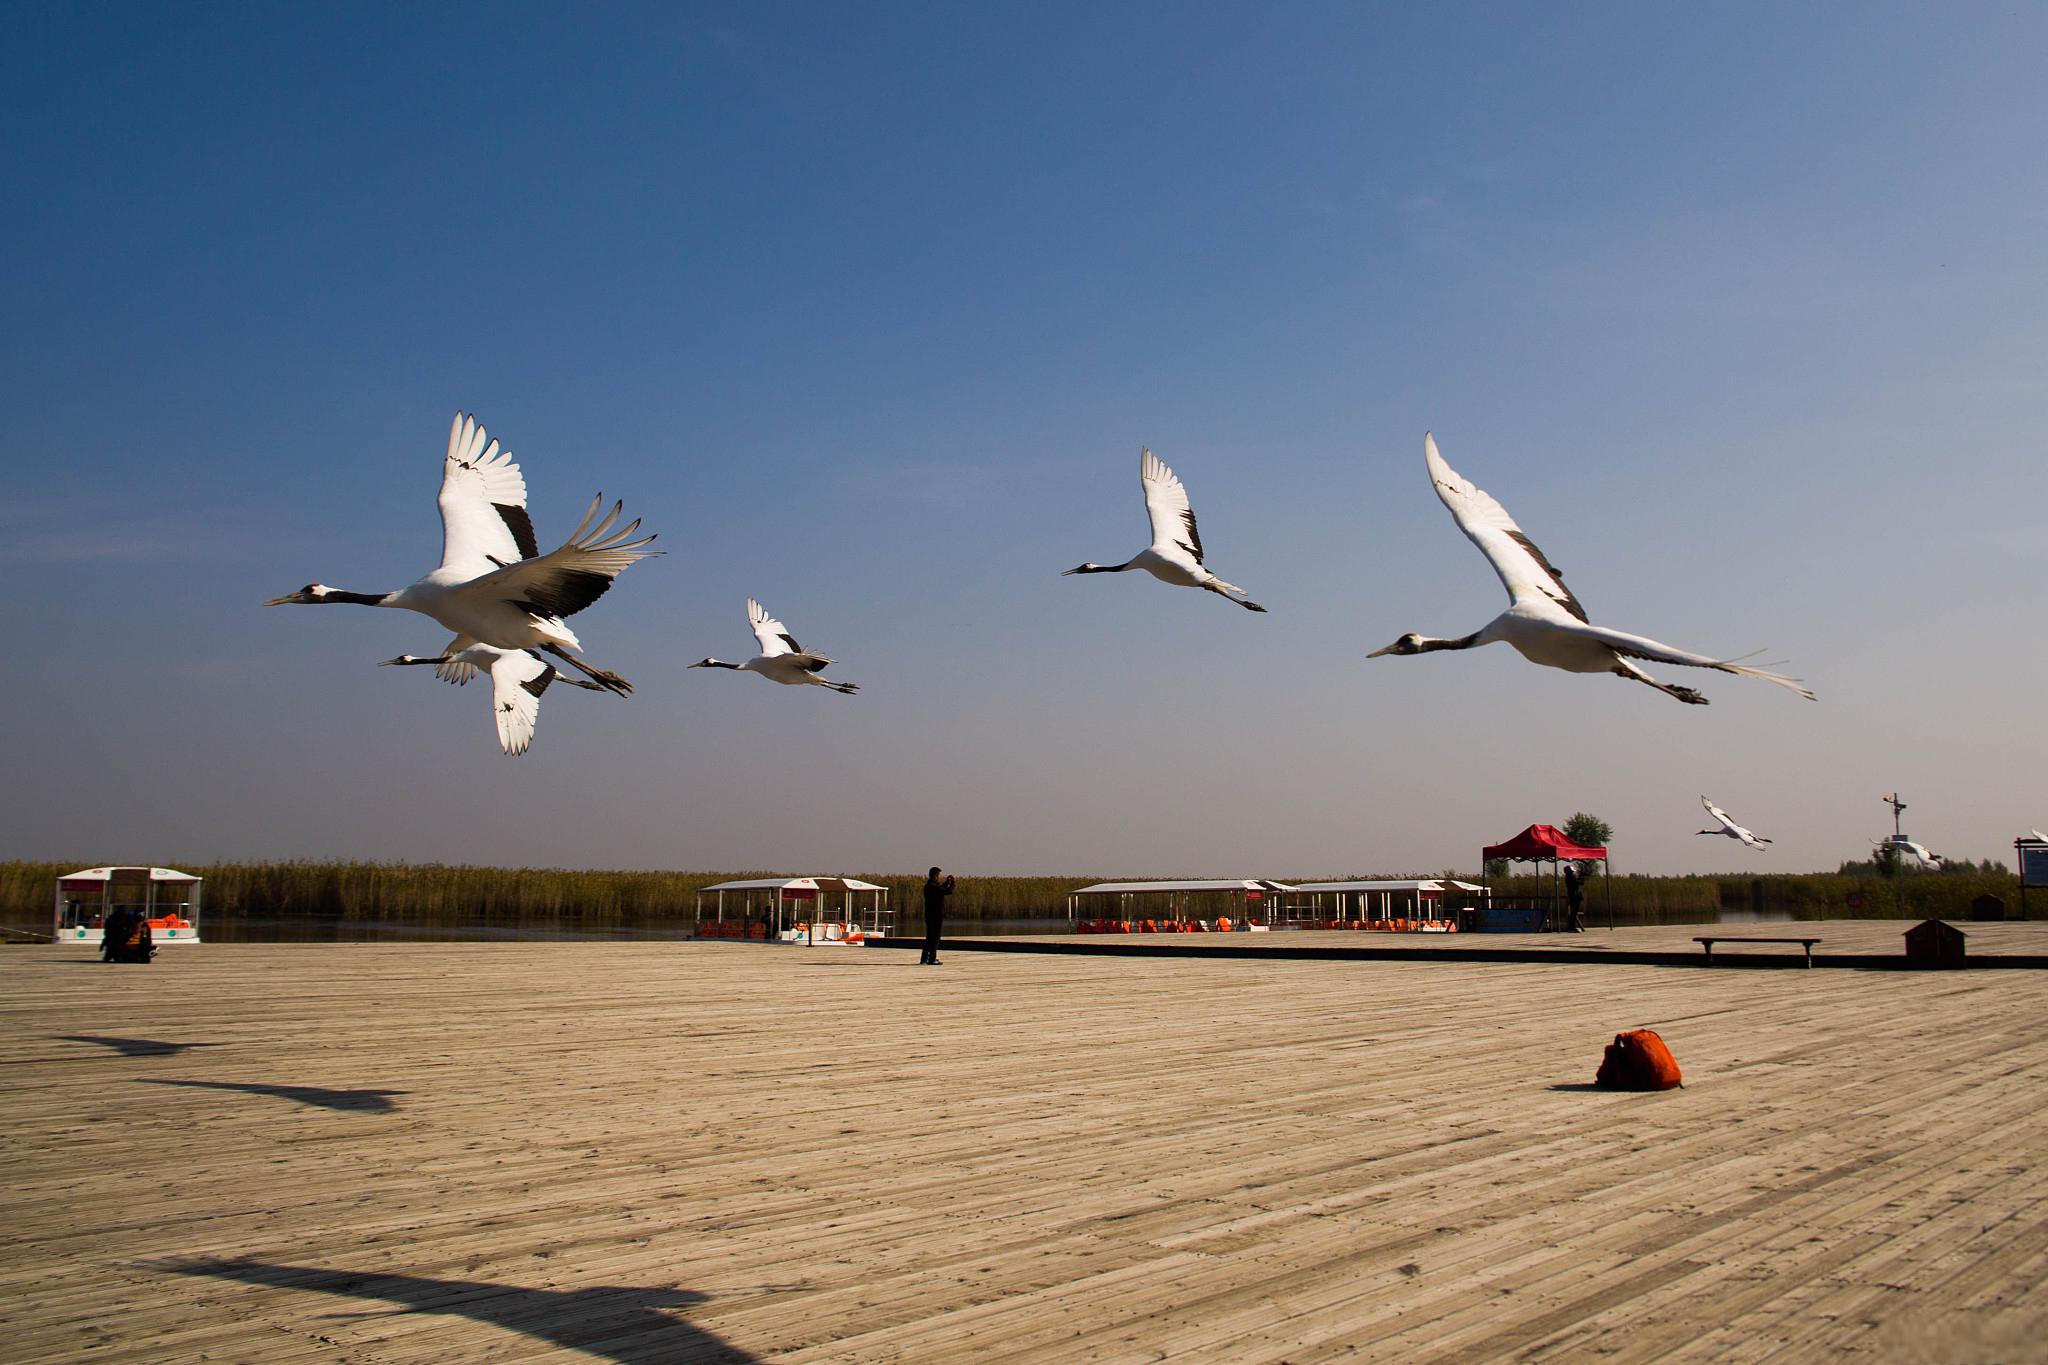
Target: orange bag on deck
x,y
1638,1060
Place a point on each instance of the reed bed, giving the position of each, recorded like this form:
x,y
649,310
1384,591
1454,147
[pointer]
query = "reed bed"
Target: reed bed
x,y
316,900
1796,895
367,899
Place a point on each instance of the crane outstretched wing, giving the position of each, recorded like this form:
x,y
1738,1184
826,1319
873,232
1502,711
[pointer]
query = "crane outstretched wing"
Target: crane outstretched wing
x,y
777,642
565,580
1521,566
454,668
517,680
774,636
1166,503
483,503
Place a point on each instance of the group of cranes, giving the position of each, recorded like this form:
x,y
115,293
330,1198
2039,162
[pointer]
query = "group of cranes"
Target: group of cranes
x,y
503,598
1895,845
507,603
1544,621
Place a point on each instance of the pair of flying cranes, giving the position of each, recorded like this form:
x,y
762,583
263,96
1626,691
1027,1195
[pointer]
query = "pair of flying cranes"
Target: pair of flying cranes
x,y
508,604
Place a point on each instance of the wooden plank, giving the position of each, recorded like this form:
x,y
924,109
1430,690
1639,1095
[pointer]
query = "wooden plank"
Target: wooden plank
x,y
641,1152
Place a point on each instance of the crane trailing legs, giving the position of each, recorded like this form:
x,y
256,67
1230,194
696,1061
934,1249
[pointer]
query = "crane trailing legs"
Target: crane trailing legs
x,y
493,587
1175,554
1544,621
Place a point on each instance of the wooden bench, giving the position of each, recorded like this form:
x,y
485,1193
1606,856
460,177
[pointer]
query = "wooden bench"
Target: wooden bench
x,y
1708,941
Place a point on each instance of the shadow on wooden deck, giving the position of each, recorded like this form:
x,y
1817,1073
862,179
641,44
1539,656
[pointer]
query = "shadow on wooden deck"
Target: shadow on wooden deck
x,y
132,1047
610,1322
348,1101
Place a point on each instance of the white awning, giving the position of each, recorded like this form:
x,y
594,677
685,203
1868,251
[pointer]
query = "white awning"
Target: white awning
x,y
796,884
1420,884
101,874
1142,888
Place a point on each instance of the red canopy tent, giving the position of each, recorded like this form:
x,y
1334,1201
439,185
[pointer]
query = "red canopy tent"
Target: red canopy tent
x,y
1543,843
1547,844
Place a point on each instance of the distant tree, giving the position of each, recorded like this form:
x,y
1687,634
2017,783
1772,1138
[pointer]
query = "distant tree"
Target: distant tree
x,y
1496,868
1588,831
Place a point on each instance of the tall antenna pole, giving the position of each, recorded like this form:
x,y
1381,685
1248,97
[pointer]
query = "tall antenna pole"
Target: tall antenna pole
x,y
1897,806
1898,854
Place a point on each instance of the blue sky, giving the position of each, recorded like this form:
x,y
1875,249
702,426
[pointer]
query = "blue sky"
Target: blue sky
x,y
868,310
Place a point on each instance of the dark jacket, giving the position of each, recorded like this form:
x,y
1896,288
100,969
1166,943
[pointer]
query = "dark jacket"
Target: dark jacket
x,y
935,894
114,933
127,937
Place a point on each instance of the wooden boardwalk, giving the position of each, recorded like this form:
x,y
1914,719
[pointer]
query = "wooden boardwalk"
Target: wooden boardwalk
x,y
662,1152
1840,943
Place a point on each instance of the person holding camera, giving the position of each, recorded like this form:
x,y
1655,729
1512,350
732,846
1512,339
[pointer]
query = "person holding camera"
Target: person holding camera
x,y
935,893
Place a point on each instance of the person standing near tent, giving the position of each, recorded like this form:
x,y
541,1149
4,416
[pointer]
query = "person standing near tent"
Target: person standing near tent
x,y
1575,898
935,893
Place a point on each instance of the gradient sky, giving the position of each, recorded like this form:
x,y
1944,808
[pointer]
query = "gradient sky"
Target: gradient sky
x,y
1741,310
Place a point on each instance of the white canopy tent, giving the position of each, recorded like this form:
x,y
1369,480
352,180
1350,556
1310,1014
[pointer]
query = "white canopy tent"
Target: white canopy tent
x,y
779,899
1249,899
1384,900
167,898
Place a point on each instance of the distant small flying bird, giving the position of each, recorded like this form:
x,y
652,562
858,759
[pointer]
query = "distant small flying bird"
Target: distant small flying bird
x,y
517,681
1730,828
781,658
1175,555
1545,623
493,586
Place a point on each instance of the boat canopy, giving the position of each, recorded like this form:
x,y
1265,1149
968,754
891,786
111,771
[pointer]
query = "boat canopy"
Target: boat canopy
x,y
102,874
1246,898
168,898
786,900
1417,884
796,884
1141,888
